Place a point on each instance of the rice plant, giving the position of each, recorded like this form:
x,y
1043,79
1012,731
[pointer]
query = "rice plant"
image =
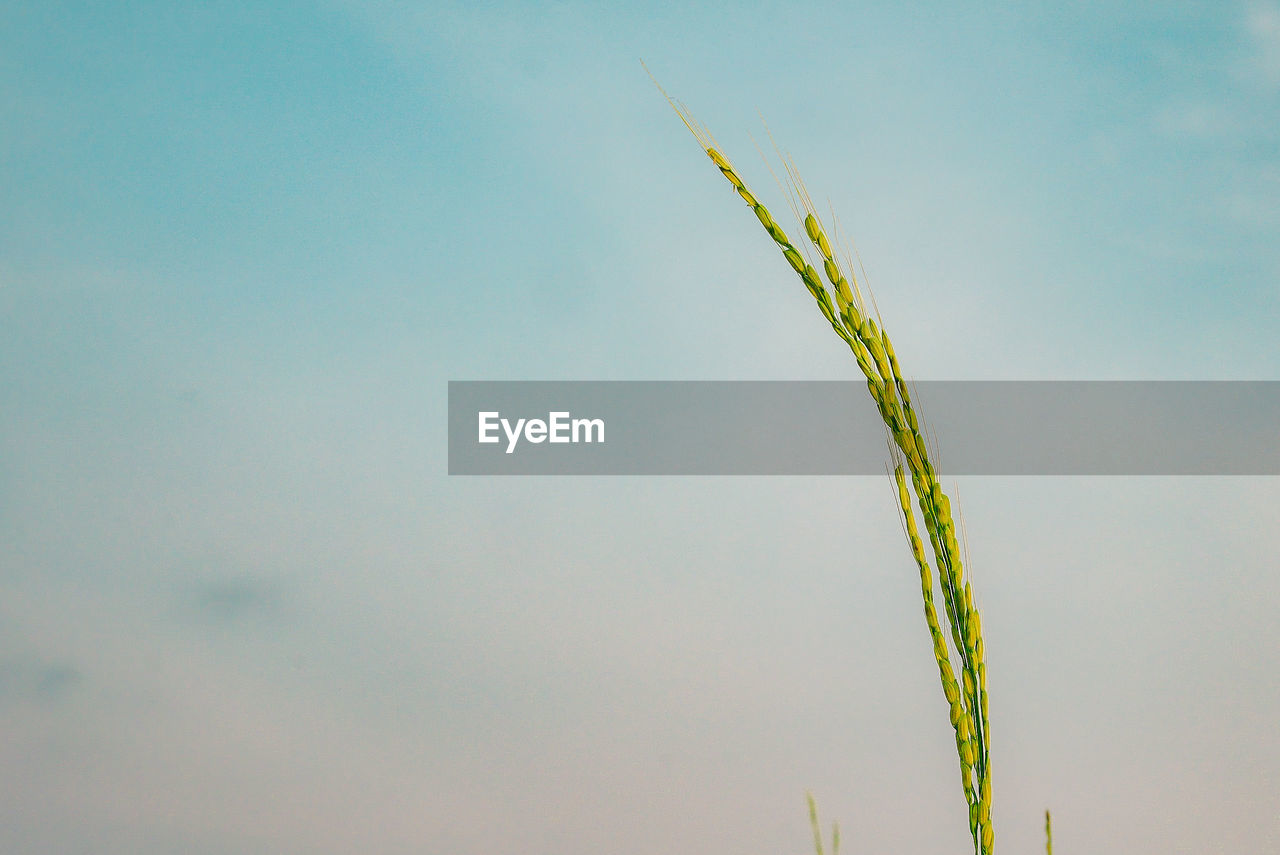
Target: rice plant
x,y
840,300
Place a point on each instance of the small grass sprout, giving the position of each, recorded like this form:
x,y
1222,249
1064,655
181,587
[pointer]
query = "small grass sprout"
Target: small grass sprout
x,y
817,831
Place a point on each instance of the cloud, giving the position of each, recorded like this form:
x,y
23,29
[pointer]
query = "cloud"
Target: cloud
x,y
34,679
1196,119
1263,23
235,599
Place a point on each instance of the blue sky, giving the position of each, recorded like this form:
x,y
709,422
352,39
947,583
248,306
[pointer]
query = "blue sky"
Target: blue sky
x,y
244,247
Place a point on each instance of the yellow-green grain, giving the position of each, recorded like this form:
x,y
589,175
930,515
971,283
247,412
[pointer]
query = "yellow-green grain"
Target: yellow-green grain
x,y
965,691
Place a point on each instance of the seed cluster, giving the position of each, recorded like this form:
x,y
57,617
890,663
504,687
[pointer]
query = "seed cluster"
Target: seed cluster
x,y
841,304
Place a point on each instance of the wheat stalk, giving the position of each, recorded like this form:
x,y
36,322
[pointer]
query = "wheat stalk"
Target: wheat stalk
x,y
844,309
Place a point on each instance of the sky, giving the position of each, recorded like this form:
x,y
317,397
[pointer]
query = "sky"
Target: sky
x,y
244,247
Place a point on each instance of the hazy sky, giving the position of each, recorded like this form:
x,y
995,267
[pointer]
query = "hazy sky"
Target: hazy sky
x,y
243,248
